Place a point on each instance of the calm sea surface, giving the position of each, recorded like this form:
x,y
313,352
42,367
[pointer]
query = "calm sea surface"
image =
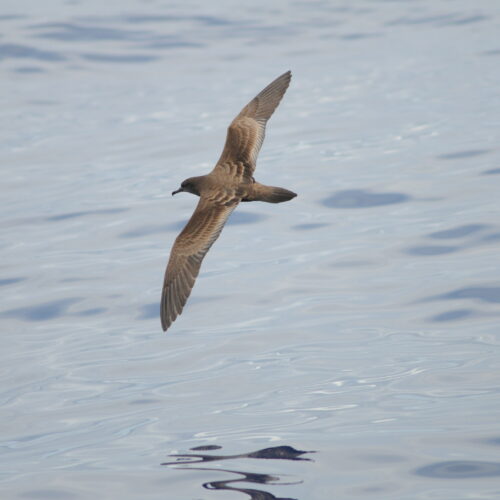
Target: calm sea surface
x,y
360,321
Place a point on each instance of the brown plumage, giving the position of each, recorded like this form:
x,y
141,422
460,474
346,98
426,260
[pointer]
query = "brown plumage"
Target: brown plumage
x,y
230,182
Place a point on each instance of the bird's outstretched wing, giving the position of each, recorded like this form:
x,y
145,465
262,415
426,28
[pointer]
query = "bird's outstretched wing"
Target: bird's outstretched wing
x,y
188,251
246,133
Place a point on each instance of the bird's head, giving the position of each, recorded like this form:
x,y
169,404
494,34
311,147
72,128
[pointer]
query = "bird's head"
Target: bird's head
x,y
189,186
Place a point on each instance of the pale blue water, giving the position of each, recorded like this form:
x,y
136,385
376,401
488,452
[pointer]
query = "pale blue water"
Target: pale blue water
x,y
359,321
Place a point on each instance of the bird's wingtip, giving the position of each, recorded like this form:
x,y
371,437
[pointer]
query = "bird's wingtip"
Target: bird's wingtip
x,y
164,324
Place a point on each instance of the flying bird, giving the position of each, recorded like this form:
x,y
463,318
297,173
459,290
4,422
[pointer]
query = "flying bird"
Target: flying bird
x,y
230,182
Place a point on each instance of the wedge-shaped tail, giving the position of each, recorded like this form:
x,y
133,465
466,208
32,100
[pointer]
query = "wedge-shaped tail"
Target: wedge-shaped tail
x,y
272,194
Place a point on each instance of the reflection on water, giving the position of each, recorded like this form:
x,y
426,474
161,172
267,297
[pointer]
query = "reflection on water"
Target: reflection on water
x,y
187,460
275,452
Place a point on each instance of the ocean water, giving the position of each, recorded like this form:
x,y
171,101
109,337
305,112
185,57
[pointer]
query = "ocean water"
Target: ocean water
x,y
342,345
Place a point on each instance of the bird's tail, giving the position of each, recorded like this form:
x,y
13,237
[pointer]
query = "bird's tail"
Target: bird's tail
x,y
272,194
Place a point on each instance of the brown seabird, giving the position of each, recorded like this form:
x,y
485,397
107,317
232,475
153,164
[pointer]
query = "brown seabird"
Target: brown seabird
x,y
230,182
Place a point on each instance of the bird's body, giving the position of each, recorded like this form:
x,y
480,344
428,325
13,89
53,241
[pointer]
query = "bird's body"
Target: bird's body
x,y
230,182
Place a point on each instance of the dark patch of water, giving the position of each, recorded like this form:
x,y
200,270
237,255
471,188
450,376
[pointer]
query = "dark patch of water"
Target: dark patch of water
x,y
490,294
10,281
439,20
239,217
359,198
144,401
492,171
42,312
29,69
454,315
69,32
407,20
471,153
120,58
82,213
200,19
150,311
467,20
14,51
48,494
359,36
91,312
308,227
11,17
460,469
146,18
491,238
494,52
458,232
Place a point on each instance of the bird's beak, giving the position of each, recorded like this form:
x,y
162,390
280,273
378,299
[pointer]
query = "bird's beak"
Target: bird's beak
x,y
178,191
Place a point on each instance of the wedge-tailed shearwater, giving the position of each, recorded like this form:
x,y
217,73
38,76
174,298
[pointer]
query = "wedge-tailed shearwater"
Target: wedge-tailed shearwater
x,y
230,182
